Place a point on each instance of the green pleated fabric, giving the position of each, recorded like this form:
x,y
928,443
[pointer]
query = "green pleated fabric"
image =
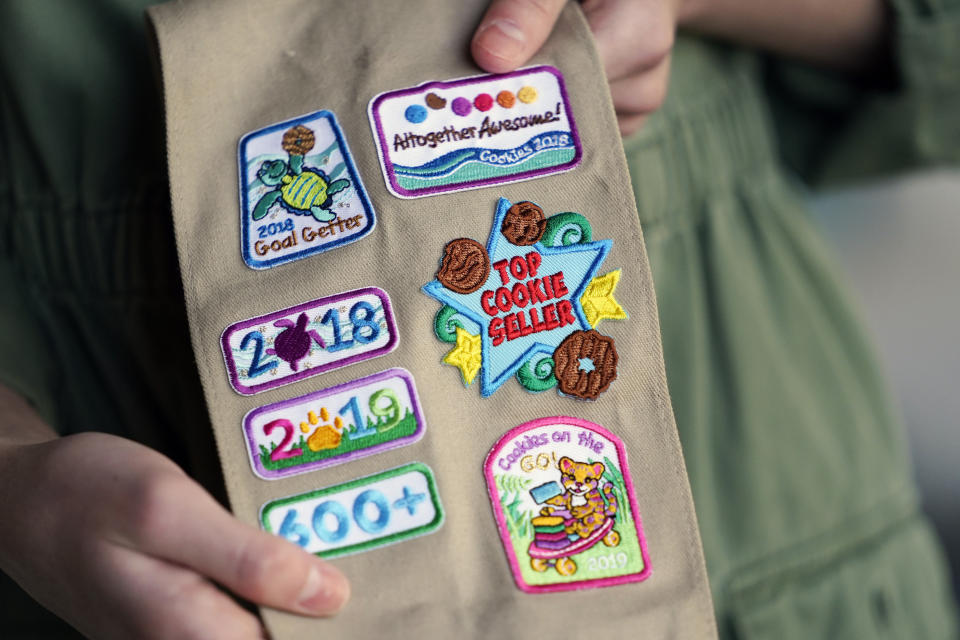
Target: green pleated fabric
x,y
799,470
808,512
93,327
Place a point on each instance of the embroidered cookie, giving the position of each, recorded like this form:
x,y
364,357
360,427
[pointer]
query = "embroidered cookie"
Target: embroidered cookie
x,y
454,135
335,425
527,304
267,351
359,515
565,506
585,364
300,192
465,266
434,101
298,140
524,224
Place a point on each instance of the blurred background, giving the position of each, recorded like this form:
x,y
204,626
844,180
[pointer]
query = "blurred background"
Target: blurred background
x,y
898,242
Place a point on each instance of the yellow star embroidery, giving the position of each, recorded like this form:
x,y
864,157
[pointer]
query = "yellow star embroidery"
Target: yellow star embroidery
x,y
598,301
466,355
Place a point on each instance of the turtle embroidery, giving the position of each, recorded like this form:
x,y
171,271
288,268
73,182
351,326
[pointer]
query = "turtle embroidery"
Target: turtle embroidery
x,y
300,189
293,343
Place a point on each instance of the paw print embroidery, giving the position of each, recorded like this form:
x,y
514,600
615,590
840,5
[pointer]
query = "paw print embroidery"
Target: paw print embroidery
x,y
325,436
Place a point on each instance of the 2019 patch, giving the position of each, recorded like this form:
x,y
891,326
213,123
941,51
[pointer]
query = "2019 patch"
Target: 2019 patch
x,y
565,506
331,426
267,351
474,132
361,514
527,304
300,192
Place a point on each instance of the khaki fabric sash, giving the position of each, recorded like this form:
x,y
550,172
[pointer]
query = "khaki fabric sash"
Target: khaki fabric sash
x,y
230,67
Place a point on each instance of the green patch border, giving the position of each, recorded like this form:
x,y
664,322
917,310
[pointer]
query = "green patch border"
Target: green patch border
x,y
359,547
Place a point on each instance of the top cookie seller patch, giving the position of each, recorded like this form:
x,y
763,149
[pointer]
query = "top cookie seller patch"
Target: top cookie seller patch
x,y
528,304
474,132
300,192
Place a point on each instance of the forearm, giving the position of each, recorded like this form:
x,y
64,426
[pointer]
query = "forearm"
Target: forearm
x,y
847,35
20,427
19,423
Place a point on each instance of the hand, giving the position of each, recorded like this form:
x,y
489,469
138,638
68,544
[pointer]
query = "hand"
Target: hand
x,y
634,38
117,540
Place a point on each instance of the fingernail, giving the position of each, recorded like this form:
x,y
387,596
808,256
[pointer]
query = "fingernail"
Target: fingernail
x,y
325,591
503,38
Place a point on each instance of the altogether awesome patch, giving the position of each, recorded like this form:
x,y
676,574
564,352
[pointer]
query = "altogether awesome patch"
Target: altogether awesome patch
x,y
295,343
359,515
526,304
474,132
334,425
300,192
565,506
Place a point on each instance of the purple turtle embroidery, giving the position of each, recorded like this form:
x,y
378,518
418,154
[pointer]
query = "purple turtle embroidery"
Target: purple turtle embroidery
x,y
293,343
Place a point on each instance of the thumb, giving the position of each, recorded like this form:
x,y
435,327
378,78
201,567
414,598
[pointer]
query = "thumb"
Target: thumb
x,y
512,31
181,523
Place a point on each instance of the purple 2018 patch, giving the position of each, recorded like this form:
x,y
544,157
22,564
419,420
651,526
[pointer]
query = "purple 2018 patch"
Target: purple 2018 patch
x,y
335,425
474,132
299,342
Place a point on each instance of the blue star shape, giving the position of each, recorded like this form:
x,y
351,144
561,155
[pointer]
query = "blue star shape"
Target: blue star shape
x,y
579,264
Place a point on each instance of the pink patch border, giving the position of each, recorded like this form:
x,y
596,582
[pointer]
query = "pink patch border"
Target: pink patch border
x,y
502,524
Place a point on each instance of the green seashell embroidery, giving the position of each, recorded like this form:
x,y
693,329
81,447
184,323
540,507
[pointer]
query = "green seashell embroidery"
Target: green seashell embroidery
x,y
565,229
537,375
445,324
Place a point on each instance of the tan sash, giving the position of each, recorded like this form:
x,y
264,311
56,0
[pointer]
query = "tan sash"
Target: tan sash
x,y
231,67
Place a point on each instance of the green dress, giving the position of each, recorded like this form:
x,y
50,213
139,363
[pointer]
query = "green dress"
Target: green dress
x,y
802,483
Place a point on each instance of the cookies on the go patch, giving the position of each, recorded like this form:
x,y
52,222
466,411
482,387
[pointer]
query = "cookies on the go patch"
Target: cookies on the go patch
x,y
298,140
585,364
524,224
465,266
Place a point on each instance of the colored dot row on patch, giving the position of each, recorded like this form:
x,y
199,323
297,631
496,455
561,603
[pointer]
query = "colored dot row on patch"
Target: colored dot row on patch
x,y
417,113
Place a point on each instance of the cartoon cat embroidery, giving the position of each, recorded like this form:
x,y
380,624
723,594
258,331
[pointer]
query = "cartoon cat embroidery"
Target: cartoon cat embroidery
x,y
582,498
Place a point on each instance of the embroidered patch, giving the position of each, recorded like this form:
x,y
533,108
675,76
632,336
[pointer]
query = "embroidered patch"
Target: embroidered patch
x,y
334,425
451,136
300,192
565,506
292,344
528,302
359,515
